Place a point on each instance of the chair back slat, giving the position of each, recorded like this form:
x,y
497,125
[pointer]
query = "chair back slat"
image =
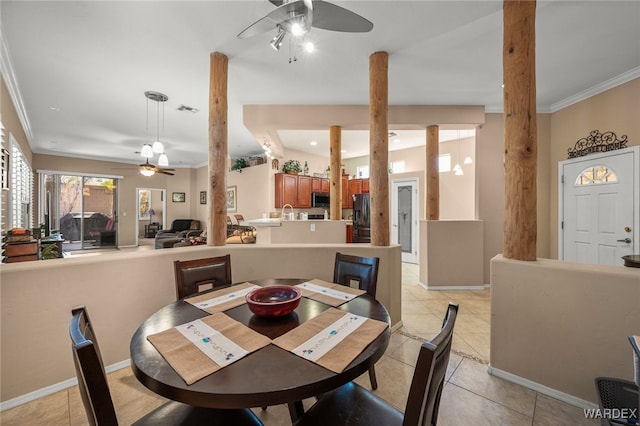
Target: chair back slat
x,y
193,276
92,380
364,270
428,378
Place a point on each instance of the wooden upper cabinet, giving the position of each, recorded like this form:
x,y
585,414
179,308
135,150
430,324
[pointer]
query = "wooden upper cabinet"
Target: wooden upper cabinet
x,y
325,185
347,201
320,185
286,191
305,184
355,187
294,190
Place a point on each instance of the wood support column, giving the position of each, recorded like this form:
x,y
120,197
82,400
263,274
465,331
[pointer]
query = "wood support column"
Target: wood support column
x,y
379,147
433,175
218,149
520,129
335,157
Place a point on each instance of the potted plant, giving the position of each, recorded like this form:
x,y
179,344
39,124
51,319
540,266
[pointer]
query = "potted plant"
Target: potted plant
x,y
240,163
292,167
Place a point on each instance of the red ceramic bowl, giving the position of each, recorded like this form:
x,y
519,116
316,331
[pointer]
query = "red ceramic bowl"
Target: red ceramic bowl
x,y
273,301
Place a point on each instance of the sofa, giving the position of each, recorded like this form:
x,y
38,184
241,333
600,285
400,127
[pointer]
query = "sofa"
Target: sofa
x,y
180,229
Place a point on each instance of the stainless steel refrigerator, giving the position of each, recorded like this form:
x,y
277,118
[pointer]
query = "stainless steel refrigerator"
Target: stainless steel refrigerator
x,y
361,218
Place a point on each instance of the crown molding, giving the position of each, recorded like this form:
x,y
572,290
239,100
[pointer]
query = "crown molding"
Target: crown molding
x,y
12,86
597,89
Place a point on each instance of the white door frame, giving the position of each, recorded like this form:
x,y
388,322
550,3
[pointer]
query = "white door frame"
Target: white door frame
x,y
636,201
164,209
415,210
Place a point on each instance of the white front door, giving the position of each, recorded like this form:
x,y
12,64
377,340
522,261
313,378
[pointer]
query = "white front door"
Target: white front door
x,y
404,218
598,203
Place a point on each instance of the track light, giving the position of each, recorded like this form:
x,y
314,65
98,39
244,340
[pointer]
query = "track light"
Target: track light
x,y
276,42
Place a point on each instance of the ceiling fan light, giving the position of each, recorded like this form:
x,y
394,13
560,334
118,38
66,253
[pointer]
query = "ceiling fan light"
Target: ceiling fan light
x,y
157,147
163,160
297,29
458,170
147,151
276,42
147,172
467,160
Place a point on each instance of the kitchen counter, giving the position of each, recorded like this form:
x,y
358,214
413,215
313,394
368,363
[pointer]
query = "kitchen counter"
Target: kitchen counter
x,y
276,231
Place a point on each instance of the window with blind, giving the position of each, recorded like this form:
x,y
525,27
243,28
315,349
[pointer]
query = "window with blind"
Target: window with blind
x,y
20,188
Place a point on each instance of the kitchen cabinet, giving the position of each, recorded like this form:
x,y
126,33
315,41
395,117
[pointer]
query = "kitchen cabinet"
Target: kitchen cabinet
x,y
347,201
326,187
304,192
351,187
293,189
320,185
286,190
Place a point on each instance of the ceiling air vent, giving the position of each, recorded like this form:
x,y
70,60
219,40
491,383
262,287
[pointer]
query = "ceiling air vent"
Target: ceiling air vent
x,y
187,108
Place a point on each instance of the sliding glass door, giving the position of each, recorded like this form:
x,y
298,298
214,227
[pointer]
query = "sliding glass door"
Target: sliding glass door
x,y
80,208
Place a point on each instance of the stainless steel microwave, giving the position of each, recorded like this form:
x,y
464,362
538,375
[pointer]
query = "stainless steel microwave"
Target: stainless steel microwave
x,y
319,199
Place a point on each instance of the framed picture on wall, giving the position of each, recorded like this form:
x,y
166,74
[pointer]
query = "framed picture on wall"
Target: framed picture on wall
x,y
178,197
232,199
203,197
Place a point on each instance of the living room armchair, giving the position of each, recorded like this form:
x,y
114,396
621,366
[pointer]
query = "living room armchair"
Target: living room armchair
x,y
180,229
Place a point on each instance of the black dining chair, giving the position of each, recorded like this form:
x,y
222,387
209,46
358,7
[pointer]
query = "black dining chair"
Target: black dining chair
x,y
194,276
352,405
364,272
96,397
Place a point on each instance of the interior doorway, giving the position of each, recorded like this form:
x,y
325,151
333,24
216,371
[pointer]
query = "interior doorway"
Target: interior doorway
x,y
404,217
151,206
599,207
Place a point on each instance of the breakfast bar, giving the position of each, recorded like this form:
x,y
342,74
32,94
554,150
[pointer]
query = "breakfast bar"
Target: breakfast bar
x,y
277,231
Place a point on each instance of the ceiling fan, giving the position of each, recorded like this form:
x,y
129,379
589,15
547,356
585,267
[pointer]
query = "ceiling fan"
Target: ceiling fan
x,y
298,16
148,169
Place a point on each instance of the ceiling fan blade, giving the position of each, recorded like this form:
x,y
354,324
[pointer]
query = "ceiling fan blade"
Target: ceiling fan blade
x,y
164,172
281,14
328,16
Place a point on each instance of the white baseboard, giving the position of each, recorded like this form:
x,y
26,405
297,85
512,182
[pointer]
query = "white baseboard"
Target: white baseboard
x,y
564,397
454,287
66,384
398,326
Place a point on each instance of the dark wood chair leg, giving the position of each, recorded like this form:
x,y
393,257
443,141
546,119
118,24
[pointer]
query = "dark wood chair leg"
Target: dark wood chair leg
x,y
372,378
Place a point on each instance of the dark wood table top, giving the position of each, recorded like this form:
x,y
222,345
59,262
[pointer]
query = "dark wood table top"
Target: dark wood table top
x,y
269,376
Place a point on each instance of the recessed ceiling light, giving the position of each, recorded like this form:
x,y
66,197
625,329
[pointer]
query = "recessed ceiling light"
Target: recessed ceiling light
x,y
397,140
314,143
392,134
54,108
343,151
188,108
309,47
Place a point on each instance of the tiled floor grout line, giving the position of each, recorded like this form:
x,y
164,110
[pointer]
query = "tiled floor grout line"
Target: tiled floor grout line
x,y
455,351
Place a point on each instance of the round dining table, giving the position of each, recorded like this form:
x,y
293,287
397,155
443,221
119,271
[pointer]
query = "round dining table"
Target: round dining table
x,y
269,376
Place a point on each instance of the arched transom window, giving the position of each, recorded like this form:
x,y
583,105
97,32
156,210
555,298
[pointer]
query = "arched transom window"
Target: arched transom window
x,y
596,175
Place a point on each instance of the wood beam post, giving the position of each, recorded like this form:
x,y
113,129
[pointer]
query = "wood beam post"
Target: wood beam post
x,y
433,174
335,190
379,147
218,150
520,129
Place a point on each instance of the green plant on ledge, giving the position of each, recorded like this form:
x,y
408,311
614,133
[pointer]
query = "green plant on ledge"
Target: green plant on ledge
x,y
292,167
240,163
50,251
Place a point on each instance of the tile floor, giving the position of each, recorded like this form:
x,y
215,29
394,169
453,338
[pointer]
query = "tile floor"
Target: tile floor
x,y
470,395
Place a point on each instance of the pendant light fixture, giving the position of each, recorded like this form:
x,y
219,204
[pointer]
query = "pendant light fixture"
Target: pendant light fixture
x,y
149,150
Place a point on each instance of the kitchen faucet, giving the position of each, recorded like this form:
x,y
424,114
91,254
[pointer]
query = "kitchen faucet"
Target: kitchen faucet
x,y
282,212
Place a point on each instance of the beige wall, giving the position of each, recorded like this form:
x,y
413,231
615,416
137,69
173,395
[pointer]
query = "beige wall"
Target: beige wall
x,y
615,110
121,289
451,253
562,324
